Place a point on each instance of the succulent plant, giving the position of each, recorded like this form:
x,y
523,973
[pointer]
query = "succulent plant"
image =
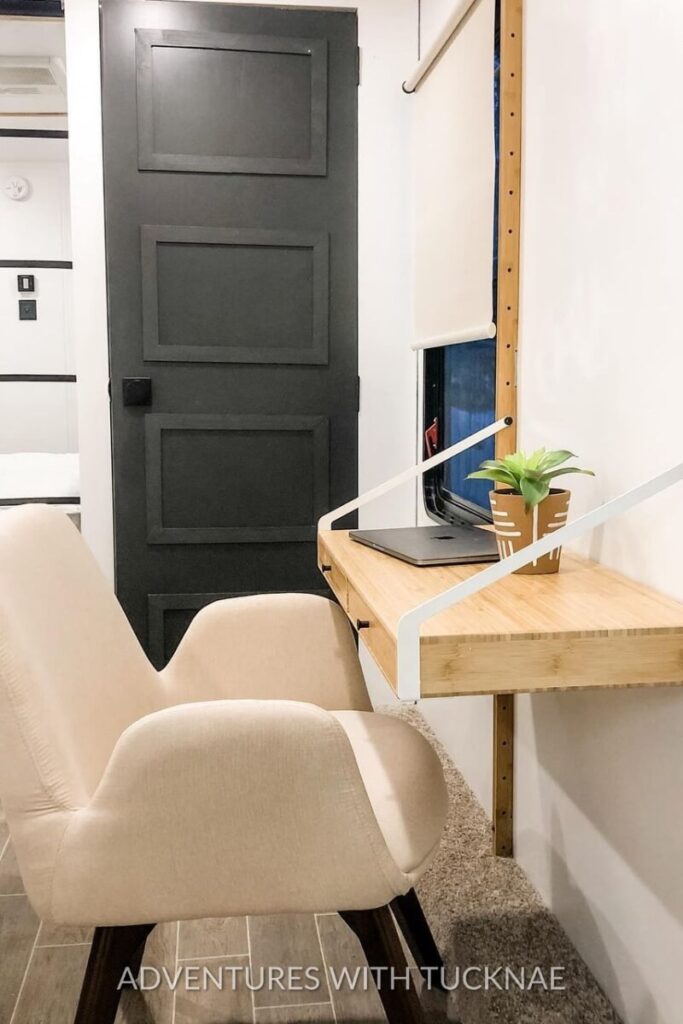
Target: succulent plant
x,y
530,476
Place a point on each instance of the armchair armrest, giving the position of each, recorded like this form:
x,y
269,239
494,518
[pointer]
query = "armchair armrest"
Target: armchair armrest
x,y
221,808
288,646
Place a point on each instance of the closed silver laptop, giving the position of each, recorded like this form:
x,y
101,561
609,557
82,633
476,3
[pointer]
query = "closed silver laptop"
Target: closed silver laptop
x,y
432,545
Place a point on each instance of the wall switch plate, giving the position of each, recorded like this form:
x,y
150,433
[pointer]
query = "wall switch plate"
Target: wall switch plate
x,y
26,282
28,309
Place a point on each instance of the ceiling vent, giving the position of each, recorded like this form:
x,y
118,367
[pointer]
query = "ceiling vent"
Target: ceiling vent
x,y
32,85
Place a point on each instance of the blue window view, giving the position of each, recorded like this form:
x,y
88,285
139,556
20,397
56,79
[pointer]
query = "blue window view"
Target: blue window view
x,y
469,401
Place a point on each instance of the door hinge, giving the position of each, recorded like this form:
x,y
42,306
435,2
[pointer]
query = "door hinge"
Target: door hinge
x,y
357,394
358,63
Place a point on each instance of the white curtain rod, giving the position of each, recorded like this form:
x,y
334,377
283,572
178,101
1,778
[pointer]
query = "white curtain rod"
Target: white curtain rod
x,y
457,337
460,10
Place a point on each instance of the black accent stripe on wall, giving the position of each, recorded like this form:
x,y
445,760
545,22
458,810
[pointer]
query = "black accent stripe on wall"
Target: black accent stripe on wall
x,y
33,133
40,264
40,501
33,8
32,378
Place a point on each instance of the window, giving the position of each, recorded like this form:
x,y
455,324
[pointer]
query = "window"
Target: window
x,y
460,398
460,395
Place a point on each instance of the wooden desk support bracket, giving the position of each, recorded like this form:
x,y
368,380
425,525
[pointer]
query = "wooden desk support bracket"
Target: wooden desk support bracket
x,y
507,316
503,773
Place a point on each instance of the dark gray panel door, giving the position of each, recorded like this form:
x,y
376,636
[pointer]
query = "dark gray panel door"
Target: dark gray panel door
x,y
230,160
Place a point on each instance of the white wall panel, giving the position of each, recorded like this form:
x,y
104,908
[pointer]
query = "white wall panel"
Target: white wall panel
x,y
44,345
600,776
36,417
36,228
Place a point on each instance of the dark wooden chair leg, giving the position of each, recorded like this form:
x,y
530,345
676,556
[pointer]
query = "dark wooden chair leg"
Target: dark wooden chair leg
x,y
136,959
113,950
418,935
377,934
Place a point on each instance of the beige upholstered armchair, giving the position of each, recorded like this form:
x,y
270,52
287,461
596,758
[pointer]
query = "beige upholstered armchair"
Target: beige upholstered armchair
x,y
258,740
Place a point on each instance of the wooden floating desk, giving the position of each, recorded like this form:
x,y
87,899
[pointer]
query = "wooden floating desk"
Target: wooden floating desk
x,y
584,627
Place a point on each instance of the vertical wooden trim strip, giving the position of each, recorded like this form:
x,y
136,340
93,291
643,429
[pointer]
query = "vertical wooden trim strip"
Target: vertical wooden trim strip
x,y
503,773
509,207
509,219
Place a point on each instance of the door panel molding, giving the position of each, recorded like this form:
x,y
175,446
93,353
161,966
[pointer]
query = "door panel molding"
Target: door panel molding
x,y
158,532
155,350
315,163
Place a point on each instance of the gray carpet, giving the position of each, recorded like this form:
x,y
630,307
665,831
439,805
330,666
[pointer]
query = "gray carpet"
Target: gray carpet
x,y
484,911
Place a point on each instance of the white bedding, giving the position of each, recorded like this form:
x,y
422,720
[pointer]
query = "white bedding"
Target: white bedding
x,y
39,475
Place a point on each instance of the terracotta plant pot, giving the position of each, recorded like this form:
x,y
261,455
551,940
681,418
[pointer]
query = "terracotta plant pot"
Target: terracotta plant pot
x,y
516,526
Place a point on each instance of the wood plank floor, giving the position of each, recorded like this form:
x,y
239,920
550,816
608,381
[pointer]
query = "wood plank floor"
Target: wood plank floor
x,y
41,967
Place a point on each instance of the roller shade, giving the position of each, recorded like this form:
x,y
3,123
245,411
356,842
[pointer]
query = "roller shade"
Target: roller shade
x,y
455,184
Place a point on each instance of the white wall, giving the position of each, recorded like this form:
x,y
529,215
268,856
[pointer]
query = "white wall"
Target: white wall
x,y
36,417
388,38
600,776
89,280
433,16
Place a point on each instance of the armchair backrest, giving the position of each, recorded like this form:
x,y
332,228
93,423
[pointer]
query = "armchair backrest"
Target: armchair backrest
x,y
72,674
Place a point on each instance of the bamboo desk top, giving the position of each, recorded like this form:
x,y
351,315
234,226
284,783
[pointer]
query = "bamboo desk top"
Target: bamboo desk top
x,y
586,626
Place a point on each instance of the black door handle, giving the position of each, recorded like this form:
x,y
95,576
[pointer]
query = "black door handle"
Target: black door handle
x,y
137,390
